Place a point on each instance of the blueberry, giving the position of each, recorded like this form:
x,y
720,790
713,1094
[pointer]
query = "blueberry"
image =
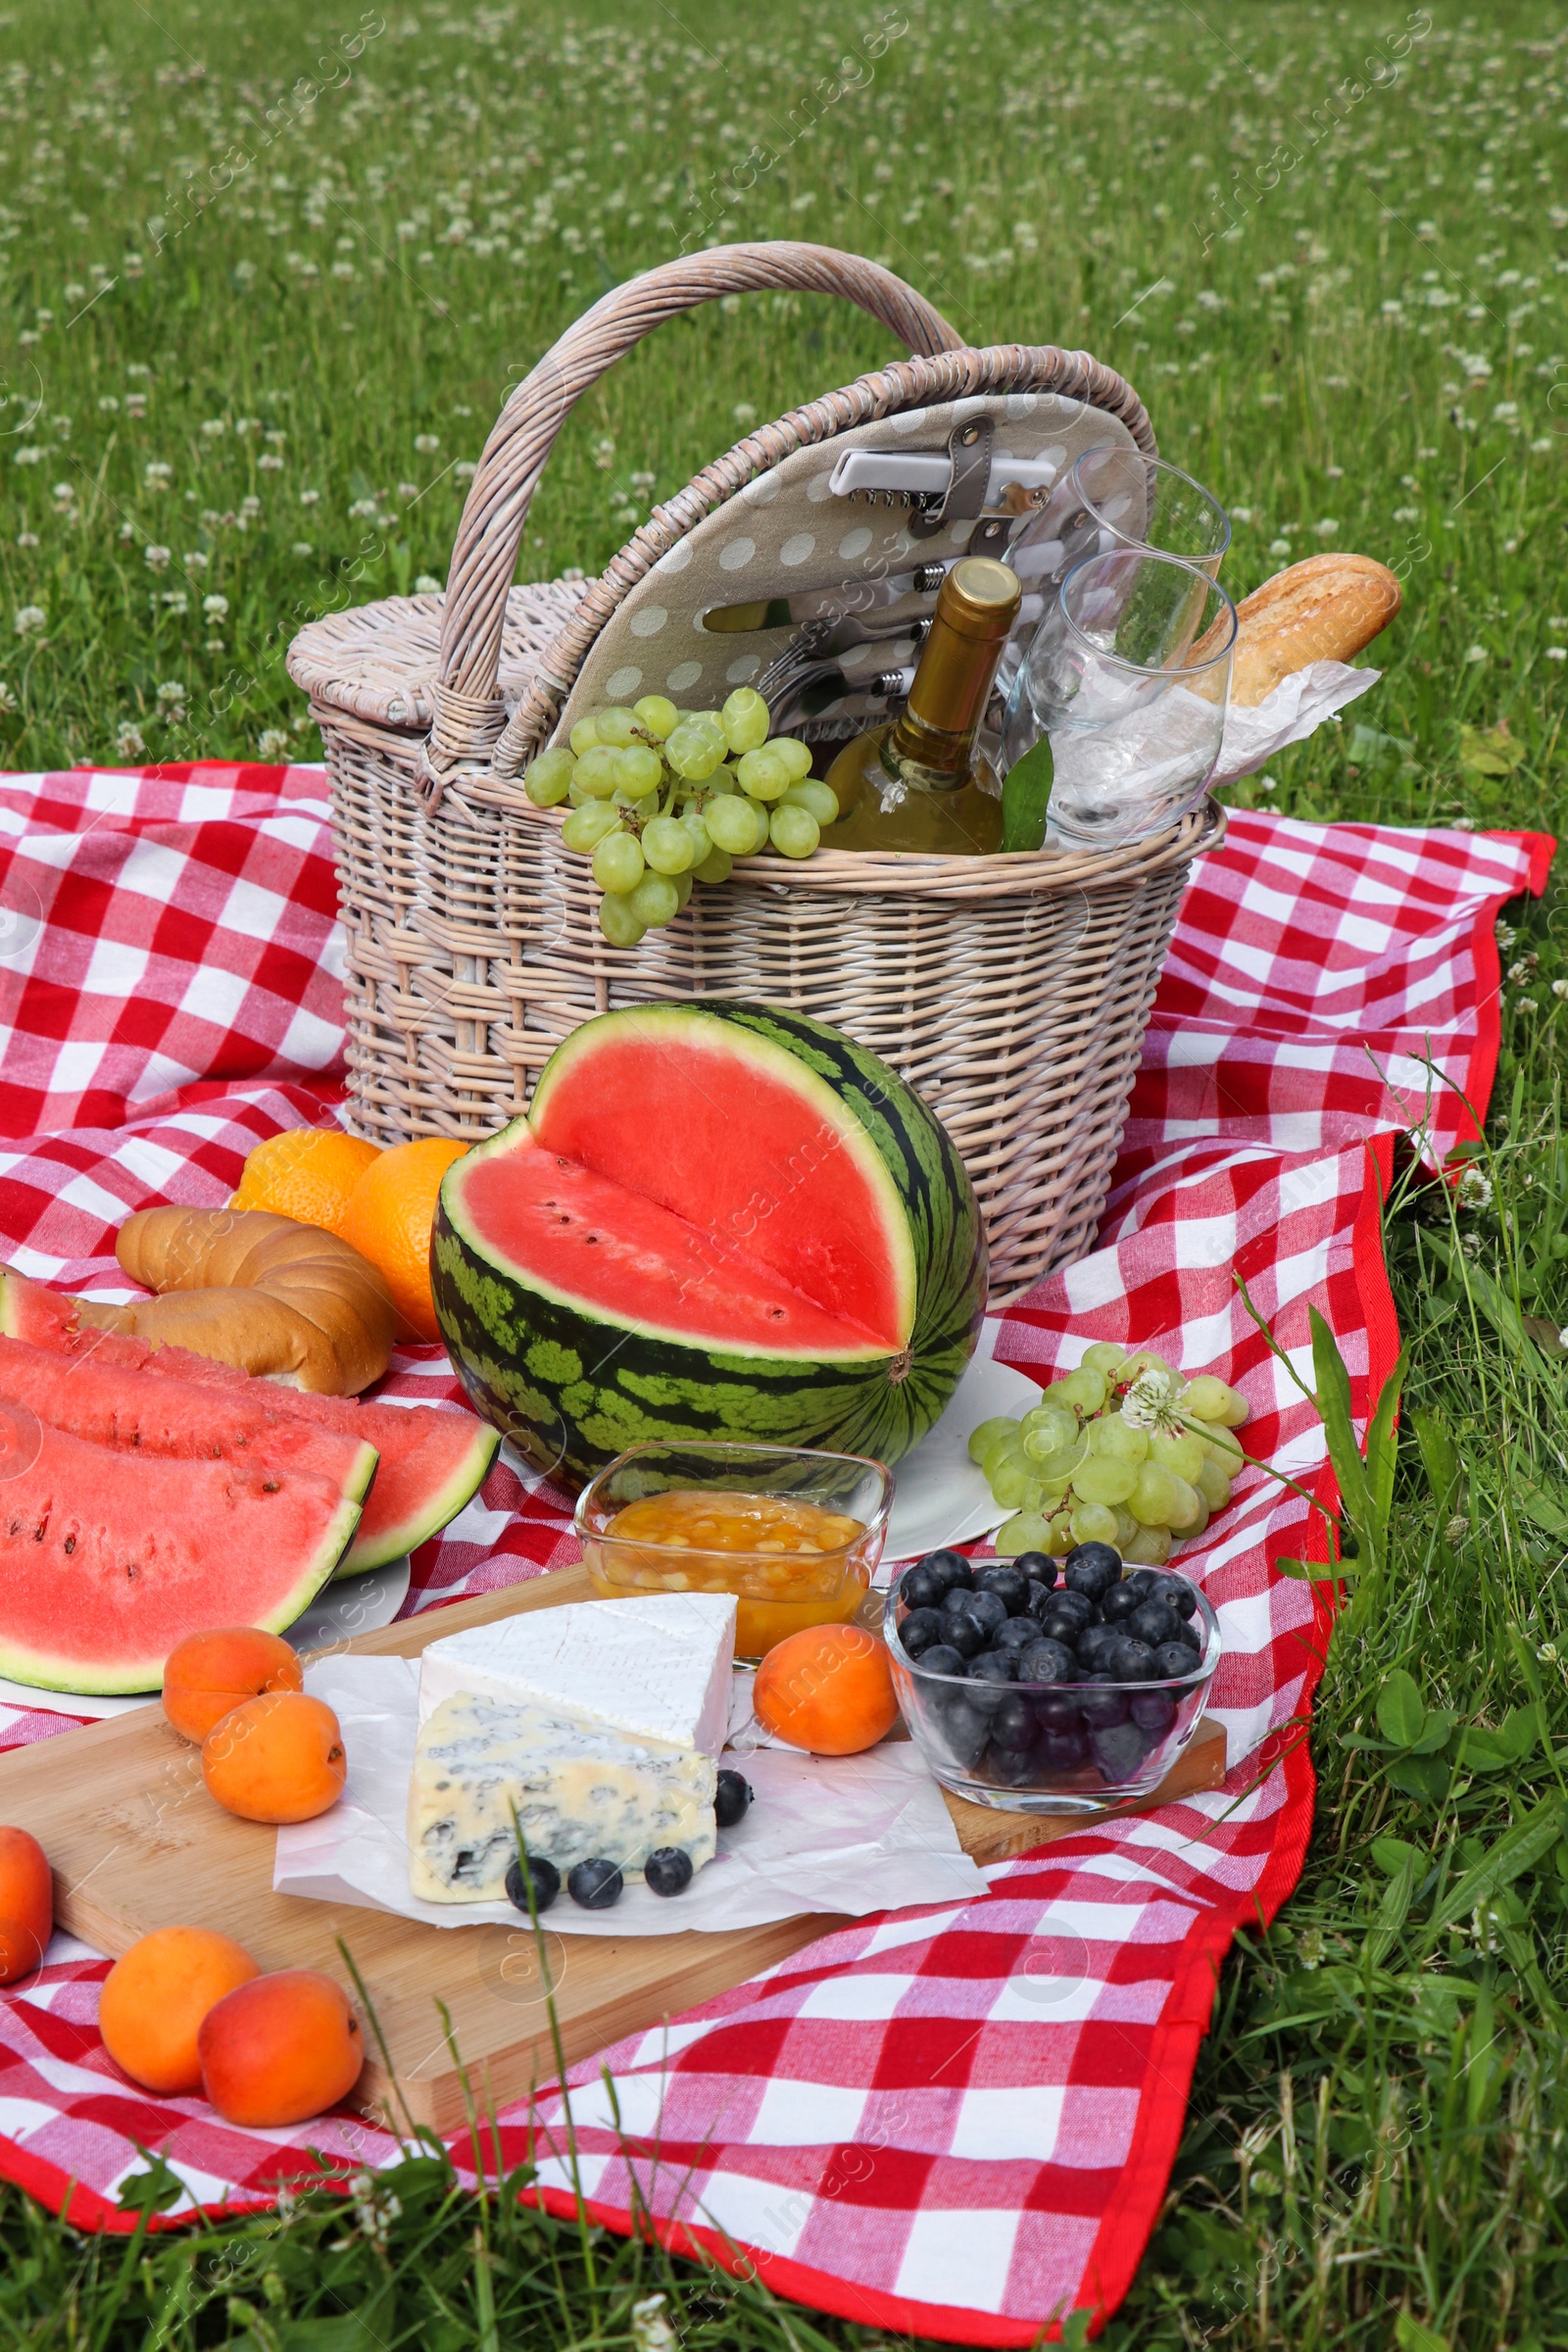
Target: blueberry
x,y
731,1798
963,1730
1173,1662
1152,1710
1057,1710
1092,1568
1046,1662
920,1629
1119,1602
546,1884
1153,1623
1190,1634
1019,1633
1015,1725
1130,1660
1093,1643
668,1869
962,1633
943,1658
1077,1607
918,1589
1148,1584
1120,1751
1063,1752
986,1608
595,1883
1102,1708
994,1666
1008,1586
1012,1767
1036,1568
1182,1597
950,1568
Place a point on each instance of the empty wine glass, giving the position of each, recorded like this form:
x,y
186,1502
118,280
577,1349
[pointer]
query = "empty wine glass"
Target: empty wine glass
x,y
1116,497
1127,681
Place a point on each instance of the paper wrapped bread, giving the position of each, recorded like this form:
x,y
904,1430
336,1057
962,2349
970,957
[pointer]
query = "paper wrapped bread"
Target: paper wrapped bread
x,y
1323,609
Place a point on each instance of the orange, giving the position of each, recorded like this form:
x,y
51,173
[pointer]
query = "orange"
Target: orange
x,y
154,2000
389,1219
306,1173
279,1757
828,1689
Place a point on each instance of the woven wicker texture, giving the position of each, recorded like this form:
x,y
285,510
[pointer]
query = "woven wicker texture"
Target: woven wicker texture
x,y
1012,991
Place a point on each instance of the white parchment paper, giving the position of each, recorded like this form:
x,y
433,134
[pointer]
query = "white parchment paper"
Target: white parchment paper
x,y
1297,709
847,1834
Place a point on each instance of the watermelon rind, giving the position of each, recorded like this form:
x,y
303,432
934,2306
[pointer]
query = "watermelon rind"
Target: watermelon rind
x,y
437,1506
574,1386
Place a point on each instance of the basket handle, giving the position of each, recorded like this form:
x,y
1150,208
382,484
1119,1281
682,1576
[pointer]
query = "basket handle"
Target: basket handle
x,y
469,712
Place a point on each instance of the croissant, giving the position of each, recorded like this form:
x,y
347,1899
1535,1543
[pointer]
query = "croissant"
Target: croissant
x,y
270,1296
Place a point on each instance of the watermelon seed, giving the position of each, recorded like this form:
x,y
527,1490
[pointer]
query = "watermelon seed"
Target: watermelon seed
x,y
269,1485
71,1542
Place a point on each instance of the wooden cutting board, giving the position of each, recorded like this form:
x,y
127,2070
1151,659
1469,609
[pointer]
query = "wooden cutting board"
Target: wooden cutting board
x,y
137,1843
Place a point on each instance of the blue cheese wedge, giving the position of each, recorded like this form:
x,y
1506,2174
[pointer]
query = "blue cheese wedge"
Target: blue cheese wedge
x,y
599,1723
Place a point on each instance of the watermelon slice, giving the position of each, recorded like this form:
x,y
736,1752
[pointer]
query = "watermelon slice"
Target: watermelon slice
x,y
432,1461
107,1562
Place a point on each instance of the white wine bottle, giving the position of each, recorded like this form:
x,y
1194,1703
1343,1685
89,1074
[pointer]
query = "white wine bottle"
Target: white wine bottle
x,y
914,784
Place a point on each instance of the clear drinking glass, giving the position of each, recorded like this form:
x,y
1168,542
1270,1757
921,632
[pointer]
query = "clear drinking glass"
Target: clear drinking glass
x,y
1115,496
1127,678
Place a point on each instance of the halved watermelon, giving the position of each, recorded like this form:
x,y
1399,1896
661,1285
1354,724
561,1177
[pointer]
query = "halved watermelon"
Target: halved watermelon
x,y
432,1460
106,1562
716,1221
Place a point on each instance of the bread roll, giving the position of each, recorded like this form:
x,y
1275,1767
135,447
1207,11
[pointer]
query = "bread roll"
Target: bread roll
x,y
1323,609
267,1294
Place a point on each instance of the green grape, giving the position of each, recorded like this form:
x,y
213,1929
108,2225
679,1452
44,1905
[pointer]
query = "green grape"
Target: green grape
x,y
1148,1548
1213,1485
696,825
694,750
683,889
1117,1440
1222,1447
1059,1541
1084,1388
732,824
1007,1440
618,923
743,719
1002,1425
585,828
1127,1528
1027,1532
1237,1409
667,845
584,735
765,775
639,770
1146,1360
617,725
1058,1469
715,867
1093,1523
1105,1355
656,714
1100,1480
814,796
576,796
1156,1501
794,832
655,902
547,779
617,863
599,772
1049,1434
796,755
1188,1515
1010,1482
1177,1451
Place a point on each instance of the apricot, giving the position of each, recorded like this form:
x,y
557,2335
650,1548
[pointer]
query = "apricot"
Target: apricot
x,y
209,1675
828,1689
155,1998
27,1905
281,2048
279,1757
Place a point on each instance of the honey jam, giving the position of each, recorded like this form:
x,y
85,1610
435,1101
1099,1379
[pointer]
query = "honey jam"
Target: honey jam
x,y
789,1563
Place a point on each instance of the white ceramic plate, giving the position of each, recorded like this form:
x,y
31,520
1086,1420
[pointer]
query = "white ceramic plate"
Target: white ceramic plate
x,y
358,1605
940,1496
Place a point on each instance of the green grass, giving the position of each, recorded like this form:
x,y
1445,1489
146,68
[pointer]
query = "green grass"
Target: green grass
x,y
1346,312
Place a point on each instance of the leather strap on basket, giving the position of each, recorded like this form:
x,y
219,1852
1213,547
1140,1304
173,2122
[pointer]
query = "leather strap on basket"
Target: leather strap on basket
x,y
484,559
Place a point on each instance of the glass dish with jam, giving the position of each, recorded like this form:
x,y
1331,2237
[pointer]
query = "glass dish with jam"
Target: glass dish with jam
x,y
794,1534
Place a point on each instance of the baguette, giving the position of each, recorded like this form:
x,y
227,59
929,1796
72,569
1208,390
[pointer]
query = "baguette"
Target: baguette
x,y
1323,609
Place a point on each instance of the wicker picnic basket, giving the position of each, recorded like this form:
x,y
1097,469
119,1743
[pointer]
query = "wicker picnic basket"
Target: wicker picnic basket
x,y
1011,991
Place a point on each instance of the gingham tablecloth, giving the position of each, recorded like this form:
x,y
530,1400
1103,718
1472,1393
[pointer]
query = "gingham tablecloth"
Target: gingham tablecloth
x,y
955,2122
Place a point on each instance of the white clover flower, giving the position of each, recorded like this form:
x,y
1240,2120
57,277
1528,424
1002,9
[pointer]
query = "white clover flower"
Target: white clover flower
x,y
465,471
1475,652
408,490
30,455
363,506
8,701
426,443
1279,547
171,691
30,538
212,426
216,608
128,742
30,618
156,559
310,498
1557,653
1522,970
744,413
268,462
175,601
65,494
301,547
108,400
193,559
1559,987
157,475
1328,528
650,2330
427,584
1474,1190
1526,1004
272,745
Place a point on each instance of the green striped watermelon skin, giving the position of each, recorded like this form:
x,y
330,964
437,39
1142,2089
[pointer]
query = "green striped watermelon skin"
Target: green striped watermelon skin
x,y
573,1388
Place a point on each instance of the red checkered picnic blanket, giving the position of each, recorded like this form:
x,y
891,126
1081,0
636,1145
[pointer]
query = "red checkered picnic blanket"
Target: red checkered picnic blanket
x,y
957,2121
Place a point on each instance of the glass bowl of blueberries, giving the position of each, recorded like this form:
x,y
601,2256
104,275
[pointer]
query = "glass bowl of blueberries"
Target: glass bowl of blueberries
x,y
1040,1685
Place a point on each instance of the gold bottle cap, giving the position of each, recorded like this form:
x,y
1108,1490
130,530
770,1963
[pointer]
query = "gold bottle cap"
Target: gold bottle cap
x,y
980,598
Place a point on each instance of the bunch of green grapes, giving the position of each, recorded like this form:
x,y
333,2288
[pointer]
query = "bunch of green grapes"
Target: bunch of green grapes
x,y
1122,1452
663,798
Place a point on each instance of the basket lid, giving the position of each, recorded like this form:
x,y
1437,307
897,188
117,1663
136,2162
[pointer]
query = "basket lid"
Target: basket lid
x,y
378,661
